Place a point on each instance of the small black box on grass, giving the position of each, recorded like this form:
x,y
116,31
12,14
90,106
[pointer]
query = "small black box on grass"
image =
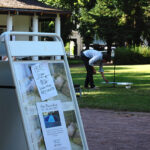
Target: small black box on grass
x,y
78,89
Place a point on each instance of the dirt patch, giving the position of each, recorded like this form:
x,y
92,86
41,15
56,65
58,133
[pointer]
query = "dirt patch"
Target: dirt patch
x,y
110,130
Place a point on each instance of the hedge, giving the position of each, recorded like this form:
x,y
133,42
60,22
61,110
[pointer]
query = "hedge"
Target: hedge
x,y
132,55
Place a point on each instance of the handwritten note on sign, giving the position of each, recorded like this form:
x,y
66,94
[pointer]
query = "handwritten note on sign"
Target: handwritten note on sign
x,y
44,81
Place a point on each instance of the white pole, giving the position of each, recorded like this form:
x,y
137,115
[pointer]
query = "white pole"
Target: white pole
x,y
35,29
9,28
58,30
9,22
57,25
10,25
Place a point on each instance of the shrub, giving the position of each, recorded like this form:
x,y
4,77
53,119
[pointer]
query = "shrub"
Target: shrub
x,y
132,55
75,61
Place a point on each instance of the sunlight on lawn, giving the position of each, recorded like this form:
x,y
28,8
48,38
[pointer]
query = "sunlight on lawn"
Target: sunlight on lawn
x,y
137,98
90,92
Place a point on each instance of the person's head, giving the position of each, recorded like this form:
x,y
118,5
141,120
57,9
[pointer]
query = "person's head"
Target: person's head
x,y
96,46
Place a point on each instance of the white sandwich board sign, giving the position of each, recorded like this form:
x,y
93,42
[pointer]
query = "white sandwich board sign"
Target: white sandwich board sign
x,y
45,94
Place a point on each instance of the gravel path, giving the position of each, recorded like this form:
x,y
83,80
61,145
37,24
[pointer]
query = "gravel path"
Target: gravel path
x,y
110,130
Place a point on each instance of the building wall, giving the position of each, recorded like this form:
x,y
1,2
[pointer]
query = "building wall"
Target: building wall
x,y
20,23
76,35
3,19
3,22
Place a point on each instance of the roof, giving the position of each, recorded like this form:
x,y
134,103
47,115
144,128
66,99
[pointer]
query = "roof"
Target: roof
x,y
29,6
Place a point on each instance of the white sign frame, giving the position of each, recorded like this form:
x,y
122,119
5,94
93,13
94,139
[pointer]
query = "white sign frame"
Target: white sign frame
x,y
27,128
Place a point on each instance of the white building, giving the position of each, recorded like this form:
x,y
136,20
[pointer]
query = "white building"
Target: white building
x,y
25,15
76,44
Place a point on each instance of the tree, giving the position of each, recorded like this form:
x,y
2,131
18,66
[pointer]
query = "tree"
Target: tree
x,y
67,23
115,21
134,12
107,21
86,22
121,21
86,29
77,21
146,32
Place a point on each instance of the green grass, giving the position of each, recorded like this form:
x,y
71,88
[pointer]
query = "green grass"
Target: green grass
x,y
75,61
137,98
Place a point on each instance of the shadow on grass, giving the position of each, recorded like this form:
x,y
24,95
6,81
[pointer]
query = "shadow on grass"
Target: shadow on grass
x,y
137,98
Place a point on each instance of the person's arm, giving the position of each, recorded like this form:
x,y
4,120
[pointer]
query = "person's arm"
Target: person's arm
x,y
101,70
93,60
102,74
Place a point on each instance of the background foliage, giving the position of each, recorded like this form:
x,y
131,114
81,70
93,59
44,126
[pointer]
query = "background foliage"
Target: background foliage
x,y
118,22
132,55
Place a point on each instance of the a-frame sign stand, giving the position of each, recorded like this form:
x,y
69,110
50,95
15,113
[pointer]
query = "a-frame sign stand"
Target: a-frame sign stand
x,y
38,105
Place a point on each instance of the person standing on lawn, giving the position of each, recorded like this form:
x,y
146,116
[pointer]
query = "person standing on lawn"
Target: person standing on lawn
x,y
90,57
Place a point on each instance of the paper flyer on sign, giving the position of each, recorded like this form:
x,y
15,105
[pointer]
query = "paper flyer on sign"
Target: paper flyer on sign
x,y
53,125
44,81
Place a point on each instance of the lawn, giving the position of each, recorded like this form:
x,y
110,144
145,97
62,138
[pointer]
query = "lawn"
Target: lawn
x,y
137,98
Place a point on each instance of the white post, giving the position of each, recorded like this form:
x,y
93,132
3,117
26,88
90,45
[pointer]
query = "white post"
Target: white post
x,y
57,25
10,25
9,22
35,29
58,30
9,28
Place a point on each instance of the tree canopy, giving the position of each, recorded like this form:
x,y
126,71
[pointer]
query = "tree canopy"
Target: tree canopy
x,y
115,21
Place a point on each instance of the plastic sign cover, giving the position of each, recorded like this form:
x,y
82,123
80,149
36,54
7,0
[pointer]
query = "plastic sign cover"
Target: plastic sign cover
x,y
42,123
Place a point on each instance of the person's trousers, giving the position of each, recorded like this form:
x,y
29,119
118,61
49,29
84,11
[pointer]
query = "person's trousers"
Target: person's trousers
x,y
89,76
